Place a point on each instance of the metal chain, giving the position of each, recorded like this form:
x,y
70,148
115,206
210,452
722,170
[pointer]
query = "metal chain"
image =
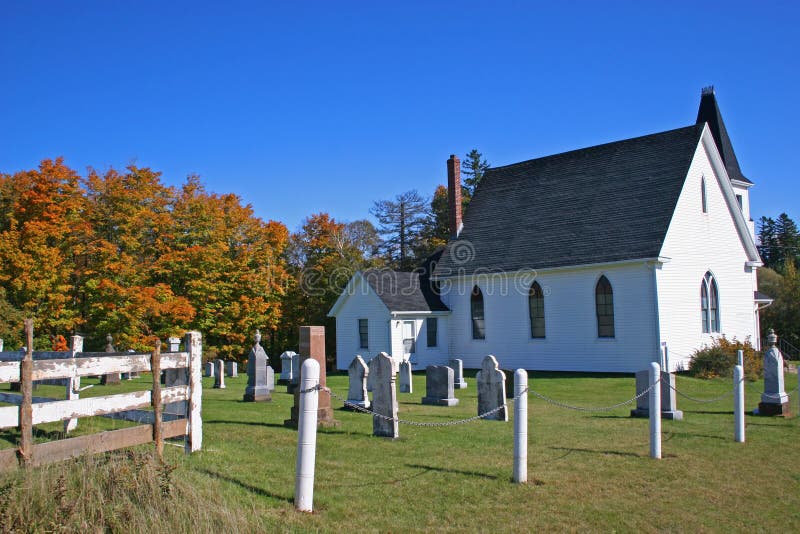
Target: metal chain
x,y
772,396
706,401
414,423
594,409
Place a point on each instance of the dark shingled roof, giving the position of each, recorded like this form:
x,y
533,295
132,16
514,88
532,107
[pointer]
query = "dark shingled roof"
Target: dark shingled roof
x,y
601,204
404,291
709,112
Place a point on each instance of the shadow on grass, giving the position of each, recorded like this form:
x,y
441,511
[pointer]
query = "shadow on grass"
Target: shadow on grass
x,y
252,489
247,423
570,450
692,435
453,471
387,482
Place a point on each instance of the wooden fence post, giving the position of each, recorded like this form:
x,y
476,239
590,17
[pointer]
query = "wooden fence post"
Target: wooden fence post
x,y
194,420
74,383
26,408
155,399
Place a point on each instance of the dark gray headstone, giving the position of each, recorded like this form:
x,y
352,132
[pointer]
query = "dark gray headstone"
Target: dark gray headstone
x,y
439,389
384,397
492,390
257,389
219,374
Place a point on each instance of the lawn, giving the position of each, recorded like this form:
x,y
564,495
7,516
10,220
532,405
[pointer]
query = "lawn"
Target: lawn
x,y
586,470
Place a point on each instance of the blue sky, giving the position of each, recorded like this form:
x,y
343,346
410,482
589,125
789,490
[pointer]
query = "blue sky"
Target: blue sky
x,y
302,107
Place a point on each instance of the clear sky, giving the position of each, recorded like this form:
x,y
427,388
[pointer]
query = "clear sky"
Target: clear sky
x,y
302,107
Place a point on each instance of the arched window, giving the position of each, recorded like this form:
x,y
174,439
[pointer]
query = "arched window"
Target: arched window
x,y
604,304
476,306
709,304
536,309
703,194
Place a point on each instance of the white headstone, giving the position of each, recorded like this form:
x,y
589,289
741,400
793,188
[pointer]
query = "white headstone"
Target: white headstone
x,y
669,409
458,373
492,390
209,369
232,369
286,367
384,397
174,344
357,372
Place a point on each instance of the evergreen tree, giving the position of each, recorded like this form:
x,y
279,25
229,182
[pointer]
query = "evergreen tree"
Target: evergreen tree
x,y
400,223
473,168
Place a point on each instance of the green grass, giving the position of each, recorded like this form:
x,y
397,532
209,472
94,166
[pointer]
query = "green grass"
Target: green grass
x,y
587,470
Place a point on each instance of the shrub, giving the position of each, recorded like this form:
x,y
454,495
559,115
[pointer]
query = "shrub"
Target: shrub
x,y
718,359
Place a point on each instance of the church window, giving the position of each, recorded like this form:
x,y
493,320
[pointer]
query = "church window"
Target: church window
x,y
536,310
604,304
709,304
476,307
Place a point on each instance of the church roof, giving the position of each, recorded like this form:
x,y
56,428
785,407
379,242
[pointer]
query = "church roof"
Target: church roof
x,y
404,291
601,204
709,112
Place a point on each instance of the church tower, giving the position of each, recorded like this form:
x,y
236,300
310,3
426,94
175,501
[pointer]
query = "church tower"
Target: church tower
x,y
709,113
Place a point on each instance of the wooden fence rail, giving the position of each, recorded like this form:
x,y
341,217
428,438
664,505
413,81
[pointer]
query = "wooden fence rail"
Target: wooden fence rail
x,y
74,365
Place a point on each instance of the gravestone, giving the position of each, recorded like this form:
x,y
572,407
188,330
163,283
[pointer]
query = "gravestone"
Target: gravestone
x,y
384,397
406,385
458,373
312,345
439,389
257,389
270,378
370,379
295,381
232,369
176,377
219,374
286,367
209,369
774,400
357,373
110,379
669,408
492,390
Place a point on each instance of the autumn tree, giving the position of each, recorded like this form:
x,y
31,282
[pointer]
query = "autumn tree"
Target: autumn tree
x,y
400,224
40,228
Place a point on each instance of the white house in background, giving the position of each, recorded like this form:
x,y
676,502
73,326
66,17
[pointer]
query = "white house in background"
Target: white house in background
x,y
590,260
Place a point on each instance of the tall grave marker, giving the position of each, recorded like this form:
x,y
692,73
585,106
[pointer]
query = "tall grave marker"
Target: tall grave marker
x,y
312,345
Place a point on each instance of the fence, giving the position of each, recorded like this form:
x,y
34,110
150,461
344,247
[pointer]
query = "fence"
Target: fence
x,y
77,364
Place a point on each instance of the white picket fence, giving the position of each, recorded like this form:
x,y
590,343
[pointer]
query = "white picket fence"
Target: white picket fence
x,y
75,364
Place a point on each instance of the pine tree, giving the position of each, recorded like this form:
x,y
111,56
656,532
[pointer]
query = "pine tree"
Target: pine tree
x,y
400,223
473,168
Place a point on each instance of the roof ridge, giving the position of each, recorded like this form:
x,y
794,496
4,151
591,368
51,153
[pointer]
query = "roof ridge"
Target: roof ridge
x,y
620,141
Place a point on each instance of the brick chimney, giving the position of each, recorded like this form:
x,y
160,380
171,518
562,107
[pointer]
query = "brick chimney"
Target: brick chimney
x,y
454,195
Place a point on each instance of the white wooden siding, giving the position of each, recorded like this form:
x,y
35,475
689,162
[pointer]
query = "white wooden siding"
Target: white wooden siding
x,y
571,342
697,242
363,303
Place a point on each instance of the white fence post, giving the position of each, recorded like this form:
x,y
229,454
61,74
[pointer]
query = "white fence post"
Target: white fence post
x,y
655,410
740,357
194,421
74,383
738,403
520,426
306,436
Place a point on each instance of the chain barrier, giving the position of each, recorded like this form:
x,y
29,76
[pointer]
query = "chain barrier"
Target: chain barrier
x,y
771,395
706,401
421,423
594,409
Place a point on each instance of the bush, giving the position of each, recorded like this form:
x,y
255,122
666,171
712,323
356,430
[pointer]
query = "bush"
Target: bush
x,y
718,359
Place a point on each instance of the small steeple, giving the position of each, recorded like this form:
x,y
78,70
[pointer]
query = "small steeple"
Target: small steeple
x,y
709,112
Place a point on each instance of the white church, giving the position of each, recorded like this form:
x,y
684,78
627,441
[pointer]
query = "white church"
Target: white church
x,y
590,260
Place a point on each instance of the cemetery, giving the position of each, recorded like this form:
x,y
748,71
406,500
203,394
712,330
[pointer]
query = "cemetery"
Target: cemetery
x,y
441,457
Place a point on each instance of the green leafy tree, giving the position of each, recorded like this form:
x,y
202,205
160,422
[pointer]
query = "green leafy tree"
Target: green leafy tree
x,y
779,240
784,314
